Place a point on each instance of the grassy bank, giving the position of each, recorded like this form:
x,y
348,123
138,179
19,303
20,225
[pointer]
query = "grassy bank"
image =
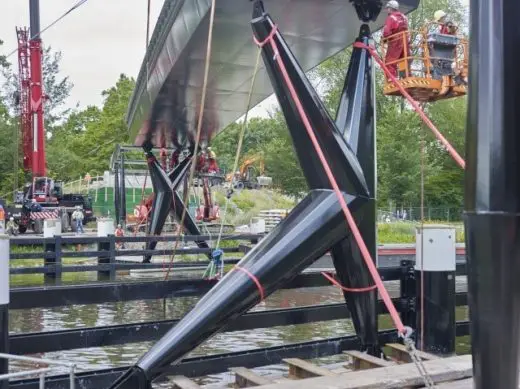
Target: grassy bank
x,y
404,232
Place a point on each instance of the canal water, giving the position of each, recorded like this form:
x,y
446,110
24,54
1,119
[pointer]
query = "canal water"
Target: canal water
x,y
78,316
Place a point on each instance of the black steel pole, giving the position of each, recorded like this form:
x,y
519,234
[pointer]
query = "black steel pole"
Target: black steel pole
x,y
34,15
492,200
117,197
123,190
435,267
356,120
4,306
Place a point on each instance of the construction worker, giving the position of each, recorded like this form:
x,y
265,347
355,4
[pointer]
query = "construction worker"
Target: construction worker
x,y
396,25
2,219
11,228
77,217
446,27
119,233
212,161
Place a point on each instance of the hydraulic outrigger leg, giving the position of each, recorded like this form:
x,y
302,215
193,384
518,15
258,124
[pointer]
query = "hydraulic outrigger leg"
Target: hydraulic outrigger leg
x,y
167,200
316,225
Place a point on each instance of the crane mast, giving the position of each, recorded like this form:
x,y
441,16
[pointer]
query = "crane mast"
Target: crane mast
x,y
24,78
31,94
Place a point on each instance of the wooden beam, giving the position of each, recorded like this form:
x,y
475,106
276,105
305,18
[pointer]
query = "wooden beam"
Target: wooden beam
x,y
181,382
399,352
298,368
363,361
393,377
245,378
461,384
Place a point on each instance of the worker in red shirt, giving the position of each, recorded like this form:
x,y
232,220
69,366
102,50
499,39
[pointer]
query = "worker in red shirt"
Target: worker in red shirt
x,y
446,26
398,46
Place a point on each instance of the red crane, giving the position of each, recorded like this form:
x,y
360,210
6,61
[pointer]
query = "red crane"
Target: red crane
x,y
24,78
31,94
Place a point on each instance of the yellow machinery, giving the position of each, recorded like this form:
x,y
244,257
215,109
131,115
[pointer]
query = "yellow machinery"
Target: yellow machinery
x,y
435,66
245,177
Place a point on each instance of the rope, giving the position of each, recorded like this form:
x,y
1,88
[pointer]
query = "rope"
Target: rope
x,y
344,288
405,332
455,155
410,346
199,127
240,141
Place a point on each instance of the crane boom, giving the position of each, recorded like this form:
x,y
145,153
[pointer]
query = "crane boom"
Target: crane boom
x,y
24,78
31,94
35,48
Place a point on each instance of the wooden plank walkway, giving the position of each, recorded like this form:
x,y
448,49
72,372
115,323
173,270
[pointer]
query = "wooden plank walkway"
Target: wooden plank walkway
x,y
398,376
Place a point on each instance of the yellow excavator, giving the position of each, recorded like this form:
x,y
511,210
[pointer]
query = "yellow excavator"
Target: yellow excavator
x,y
250,175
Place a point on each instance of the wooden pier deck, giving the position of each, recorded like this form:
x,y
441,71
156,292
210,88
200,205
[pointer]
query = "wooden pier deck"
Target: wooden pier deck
x,y
359,371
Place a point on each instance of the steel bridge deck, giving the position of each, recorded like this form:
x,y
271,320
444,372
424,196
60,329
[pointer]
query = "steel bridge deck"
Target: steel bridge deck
x,y
166,100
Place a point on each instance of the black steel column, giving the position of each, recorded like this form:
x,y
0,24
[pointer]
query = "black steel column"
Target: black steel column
x,y
356,120
493,192
435,267
408,294
4,306
117,198
123,190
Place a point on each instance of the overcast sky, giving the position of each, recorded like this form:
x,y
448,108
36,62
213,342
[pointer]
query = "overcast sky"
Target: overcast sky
x,y
99,40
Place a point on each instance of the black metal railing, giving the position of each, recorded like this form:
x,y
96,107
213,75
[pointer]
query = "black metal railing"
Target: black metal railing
x,y
110,291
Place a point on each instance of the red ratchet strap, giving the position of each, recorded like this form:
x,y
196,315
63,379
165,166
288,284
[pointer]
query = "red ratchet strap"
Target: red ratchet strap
x,y
335,282
254,279
455,155
348,216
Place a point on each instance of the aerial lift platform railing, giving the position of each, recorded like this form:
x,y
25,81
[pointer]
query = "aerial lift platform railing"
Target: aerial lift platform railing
x,y
435,66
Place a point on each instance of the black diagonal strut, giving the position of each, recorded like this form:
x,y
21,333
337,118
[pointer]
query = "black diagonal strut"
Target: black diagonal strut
x,y
166,199
314,225
353,135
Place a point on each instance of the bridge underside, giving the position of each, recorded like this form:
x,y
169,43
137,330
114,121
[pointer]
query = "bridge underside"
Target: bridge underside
x,y
165,105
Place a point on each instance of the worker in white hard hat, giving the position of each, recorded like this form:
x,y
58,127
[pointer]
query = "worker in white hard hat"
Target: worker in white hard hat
x,y
77,217
446,26
396,25
119,233
11,227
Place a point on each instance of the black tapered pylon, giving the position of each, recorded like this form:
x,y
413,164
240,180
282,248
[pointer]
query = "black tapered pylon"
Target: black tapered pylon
x,y
310,229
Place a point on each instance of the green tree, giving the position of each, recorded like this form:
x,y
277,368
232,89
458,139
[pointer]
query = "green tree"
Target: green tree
x,y
84,143
9,145
56,88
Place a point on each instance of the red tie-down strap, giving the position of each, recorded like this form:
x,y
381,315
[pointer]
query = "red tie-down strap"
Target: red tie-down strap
x,y
259,286
351,224
335,282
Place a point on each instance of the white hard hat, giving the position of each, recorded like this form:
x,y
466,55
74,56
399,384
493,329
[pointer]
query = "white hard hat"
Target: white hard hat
x,y
119,226
11,218
392,4
438,15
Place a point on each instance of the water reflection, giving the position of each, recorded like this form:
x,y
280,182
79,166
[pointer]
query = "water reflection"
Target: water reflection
x,y
78,316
